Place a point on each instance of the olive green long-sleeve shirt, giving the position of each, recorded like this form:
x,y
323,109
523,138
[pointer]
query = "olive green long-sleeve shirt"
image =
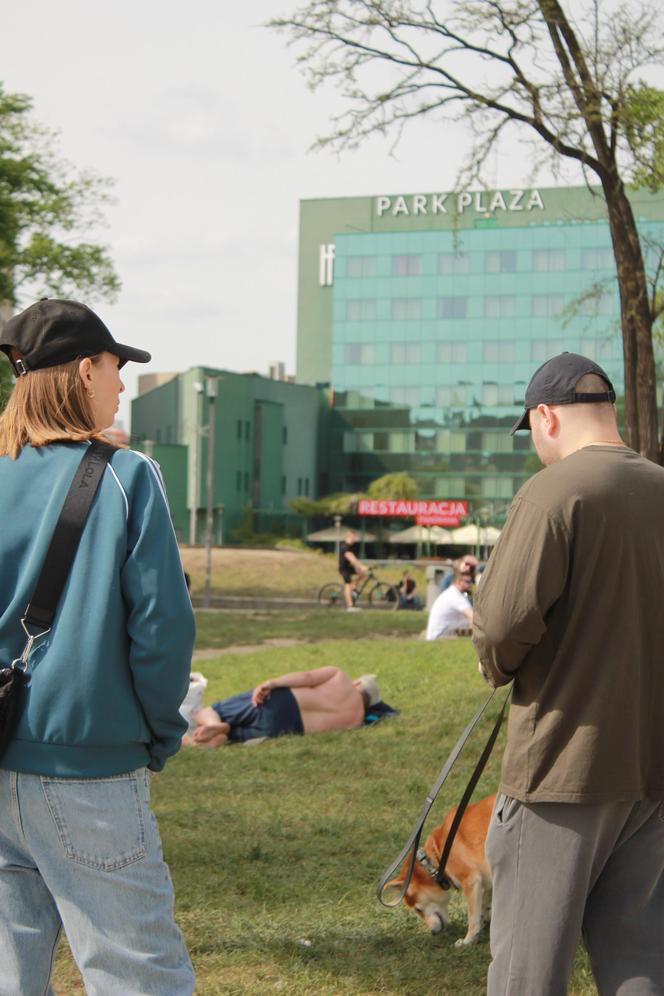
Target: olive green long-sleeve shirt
x,y
571,606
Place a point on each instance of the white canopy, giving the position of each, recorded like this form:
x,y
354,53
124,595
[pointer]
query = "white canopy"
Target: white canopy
x,y
422,534
472,535
334,534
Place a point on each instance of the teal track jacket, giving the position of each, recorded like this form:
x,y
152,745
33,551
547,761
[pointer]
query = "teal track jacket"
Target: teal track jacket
x,y
105,684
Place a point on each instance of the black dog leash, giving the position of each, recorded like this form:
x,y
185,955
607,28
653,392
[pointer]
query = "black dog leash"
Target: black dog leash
x,y
412,844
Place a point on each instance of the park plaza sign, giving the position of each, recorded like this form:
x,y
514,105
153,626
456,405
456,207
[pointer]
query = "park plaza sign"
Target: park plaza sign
x,y
480,202
434,512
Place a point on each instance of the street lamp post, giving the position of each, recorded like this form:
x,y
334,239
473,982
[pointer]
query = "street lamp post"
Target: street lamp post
x,y
211,393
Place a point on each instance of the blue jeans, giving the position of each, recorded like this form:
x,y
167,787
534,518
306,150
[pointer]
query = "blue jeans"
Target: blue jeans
x,y
85,853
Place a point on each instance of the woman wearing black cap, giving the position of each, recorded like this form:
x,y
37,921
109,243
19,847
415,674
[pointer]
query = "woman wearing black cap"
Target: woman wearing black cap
x,y
79,846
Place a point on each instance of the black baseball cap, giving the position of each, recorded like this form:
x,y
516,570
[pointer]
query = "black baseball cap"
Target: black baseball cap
x,y
51,332
554,383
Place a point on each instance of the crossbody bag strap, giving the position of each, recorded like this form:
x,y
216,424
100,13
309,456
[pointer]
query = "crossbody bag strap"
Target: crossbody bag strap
x,y
66,537
412,844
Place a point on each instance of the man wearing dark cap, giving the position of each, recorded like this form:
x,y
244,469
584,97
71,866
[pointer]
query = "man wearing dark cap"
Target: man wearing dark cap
x,y
571,609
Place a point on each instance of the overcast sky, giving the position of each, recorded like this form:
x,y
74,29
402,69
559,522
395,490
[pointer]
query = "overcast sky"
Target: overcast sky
x,y
202,119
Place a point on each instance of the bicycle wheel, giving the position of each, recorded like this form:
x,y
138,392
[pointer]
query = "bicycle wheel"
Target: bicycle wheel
x,y
331,595
384,596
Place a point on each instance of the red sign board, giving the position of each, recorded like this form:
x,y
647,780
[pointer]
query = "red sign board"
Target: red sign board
x,y
426,512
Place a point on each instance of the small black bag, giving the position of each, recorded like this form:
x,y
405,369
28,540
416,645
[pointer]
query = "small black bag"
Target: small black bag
x,y
52,577
11,683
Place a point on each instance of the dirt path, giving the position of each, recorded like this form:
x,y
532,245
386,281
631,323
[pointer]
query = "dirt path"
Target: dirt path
x,y
207,653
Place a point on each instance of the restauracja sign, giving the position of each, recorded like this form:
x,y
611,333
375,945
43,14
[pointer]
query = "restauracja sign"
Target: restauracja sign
x,y
438,512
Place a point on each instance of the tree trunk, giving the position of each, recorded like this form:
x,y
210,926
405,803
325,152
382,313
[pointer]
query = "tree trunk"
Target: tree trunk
x,y
636,322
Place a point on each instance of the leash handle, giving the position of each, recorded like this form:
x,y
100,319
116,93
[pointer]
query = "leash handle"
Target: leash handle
x,y
413,841
443,880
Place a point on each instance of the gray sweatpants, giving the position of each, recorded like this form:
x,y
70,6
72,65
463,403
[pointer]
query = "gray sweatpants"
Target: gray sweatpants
x,y
561,870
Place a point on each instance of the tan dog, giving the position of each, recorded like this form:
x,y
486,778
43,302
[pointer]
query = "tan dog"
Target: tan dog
x,y
466,867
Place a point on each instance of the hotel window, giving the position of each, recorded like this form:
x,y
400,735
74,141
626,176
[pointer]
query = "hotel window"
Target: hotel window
x,y
406,308
500,306
597,259
547,305
543,349
407,265
597,349
489,394
450,397
452,352
425,440
496,487
361,266
548,260
359,352
497,442
453,263
451,442
402,442
405,352
451,307
601,304
500,261
450,487
501,351
405,396
360,311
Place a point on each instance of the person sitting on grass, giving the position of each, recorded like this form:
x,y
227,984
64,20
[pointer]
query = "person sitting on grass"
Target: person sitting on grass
x,y
299,702
408,599
452,612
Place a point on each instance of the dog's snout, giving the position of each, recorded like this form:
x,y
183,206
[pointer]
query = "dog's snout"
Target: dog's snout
x,y
436,923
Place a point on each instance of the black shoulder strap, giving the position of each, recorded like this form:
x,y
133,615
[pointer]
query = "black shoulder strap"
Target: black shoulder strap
x,y
67,534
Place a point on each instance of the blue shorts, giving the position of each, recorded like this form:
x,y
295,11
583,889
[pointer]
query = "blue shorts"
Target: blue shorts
x,y
278,715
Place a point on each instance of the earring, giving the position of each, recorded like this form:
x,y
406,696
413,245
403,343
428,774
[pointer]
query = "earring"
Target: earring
x,y
90,394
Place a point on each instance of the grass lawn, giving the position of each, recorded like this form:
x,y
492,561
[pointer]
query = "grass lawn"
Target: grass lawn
x,y
273,573
275,848
224,628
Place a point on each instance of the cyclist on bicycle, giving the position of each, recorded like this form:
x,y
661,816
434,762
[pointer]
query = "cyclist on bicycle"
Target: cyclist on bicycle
x,y
349,567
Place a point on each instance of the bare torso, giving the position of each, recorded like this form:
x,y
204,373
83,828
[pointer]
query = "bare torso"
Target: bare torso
x,y
334,705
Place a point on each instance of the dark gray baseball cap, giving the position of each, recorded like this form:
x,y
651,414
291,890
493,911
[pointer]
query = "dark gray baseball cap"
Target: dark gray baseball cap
x,y
51,332
554,383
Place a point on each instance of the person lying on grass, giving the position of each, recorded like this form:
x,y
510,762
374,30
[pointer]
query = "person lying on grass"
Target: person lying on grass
x,y
299,702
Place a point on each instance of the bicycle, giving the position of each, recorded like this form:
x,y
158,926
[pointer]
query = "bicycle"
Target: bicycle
x,y
382,594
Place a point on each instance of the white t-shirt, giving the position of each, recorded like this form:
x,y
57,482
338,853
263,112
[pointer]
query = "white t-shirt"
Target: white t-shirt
x,y
448,613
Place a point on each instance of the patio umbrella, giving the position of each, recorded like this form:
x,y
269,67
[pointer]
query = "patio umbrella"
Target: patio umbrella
x,y
471,534
421,534
333,535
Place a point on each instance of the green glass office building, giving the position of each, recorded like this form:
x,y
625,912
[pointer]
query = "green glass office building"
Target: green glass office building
x,y
428,313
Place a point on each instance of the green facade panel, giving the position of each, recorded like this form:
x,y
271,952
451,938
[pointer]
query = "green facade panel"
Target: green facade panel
x,y
253,472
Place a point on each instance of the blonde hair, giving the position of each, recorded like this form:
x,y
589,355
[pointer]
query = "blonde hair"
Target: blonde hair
x,y
46,406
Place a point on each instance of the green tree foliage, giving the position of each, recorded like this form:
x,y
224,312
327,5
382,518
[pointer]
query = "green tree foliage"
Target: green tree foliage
x,y
570,78
45,208
336,504
393,486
